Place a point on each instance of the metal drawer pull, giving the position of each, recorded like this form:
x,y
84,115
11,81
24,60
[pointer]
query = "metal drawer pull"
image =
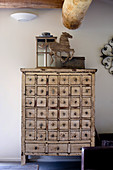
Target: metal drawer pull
x,y
52,136
30,124
52,124
41,136
41,125
85,134
80,149
63,124
58,148
86,102
41,102
30,79
30,113
42,80
64,102
75,114
53,80
53,102
74,136
87,124
75,91
86,112
87,90
42,91
63,135
41,113
30,102
53,113
74,124
53,91
30,135
64,79
64,91
75,79
30,91
36,148
75,101
64,114
87,79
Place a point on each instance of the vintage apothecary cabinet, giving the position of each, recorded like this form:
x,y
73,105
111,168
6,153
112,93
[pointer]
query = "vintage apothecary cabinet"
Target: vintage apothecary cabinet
x,y
58,111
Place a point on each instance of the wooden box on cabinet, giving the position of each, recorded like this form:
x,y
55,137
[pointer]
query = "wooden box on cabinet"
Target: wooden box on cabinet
x,y
57,111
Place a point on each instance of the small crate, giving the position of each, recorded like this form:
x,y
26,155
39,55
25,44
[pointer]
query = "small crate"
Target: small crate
x,y
75,62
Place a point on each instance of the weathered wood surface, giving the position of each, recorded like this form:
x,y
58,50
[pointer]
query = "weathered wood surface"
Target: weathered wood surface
x,y
31,3
58,116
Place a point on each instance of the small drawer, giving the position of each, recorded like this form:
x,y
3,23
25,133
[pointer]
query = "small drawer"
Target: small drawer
x,y
64,136
30,102
53,114
30,124
30,91
30,80
75,113
53,80
35,148
75,102
77,148
86,91
41,80
41,113
86,80
75,124
74,135
74,80
41,135
30,135
86,102
64,114
52,135
52,125
52,102
57,148
86,113
64,79
41,91
30,113
64,102
41,102
64,91
86,124
63,125
86,135
53,91
41,124
75,91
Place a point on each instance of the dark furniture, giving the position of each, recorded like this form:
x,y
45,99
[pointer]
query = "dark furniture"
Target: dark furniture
x,y
97,158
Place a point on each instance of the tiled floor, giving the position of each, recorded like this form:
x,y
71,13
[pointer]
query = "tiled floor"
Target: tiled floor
x,y
42,166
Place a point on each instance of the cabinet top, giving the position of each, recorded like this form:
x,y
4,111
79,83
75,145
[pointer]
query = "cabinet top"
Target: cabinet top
x,y
48,69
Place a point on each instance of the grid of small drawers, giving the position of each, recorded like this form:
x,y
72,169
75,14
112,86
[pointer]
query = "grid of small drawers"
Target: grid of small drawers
x,y
58,107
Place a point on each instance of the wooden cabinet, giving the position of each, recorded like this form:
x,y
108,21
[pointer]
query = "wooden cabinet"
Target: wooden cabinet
x,y
57,111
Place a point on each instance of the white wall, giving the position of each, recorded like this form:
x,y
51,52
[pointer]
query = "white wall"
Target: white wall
x,y
17,50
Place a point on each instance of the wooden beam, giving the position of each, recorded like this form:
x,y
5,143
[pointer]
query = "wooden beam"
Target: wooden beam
x,y
31,3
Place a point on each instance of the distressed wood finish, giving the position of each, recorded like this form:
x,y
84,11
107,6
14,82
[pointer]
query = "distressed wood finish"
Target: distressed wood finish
x,y
31,4
58,111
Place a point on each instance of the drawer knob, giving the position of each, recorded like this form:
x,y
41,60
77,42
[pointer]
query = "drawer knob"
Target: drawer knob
x,y
52,124
74,136
86,124
58,148
64,91
87,79
75,101
30,113
53,80
80,149
30,79
63,135
53,102
86,102
75,79
30,91
30,135
53,113
30,124
41,113
41,125
36,148
75,124
30,102
64,124
87,90
42,91
64,79
64,102
41,136
41,102
85,134
75,114
64,114
42,80
75,91
52,135
86,112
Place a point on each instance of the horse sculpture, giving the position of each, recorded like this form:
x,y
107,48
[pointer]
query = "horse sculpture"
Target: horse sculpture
x,y
61,47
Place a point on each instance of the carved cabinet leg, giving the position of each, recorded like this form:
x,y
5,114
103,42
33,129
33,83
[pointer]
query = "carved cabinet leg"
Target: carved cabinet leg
x,y
23,160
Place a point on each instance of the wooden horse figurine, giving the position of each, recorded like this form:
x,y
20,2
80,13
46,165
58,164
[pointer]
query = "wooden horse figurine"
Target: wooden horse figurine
x,y
62,47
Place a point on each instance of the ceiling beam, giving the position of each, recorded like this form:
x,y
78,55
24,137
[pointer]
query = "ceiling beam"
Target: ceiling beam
x,y
31,3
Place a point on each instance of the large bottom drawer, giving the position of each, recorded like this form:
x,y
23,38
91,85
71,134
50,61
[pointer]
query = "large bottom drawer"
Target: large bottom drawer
x,y
76,148
58,148
35,148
